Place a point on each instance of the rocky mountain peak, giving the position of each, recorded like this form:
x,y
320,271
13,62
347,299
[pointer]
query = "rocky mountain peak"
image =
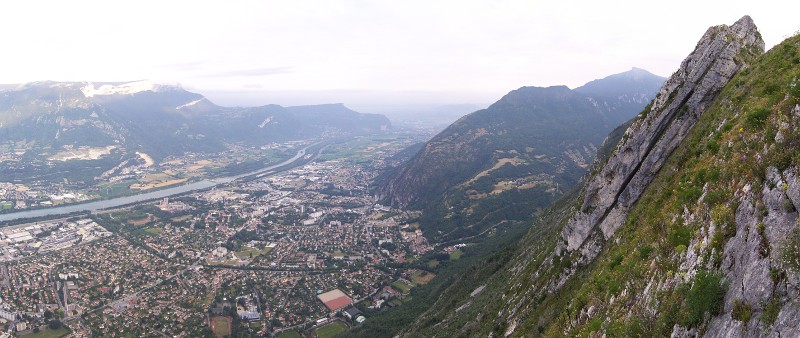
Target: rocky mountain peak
x,y
745,27
654,135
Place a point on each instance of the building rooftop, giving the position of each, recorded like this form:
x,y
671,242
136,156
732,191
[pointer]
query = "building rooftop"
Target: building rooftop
x,y
335,299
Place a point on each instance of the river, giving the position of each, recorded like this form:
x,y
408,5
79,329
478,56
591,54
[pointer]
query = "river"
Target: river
x,y
120,201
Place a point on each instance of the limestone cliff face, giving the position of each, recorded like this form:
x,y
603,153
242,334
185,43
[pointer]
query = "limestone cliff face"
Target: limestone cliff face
x,y
655,134
689,228
752,261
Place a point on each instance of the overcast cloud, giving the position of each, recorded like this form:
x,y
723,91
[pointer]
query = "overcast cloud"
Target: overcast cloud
x,y
362,52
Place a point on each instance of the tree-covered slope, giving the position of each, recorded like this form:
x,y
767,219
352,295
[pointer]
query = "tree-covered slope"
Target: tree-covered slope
x,y
519,154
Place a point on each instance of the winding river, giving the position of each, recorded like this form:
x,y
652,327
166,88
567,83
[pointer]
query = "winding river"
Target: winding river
x,y
120,201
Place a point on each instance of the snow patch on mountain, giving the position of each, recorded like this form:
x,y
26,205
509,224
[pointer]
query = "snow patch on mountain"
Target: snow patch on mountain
x,y
125,88
189,104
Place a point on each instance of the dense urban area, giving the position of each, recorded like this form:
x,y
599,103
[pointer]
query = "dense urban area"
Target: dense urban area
x,y
304,250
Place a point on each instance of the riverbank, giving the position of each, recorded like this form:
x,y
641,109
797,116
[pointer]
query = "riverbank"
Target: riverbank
x,y
298,159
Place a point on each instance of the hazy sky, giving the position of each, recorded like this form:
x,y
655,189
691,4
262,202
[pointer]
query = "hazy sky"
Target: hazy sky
x,y
362,52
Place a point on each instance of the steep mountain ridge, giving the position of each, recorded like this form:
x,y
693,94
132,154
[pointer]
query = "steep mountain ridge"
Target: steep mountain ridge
x,y
653,136
524,117
710,247
518,155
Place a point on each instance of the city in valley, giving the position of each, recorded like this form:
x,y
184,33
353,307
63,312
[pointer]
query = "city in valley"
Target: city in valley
x,y
281,252
329,169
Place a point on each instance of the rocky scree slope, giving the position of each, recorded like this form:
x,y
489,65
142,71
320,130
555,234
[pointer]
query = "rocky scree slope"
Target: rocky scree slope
x,y
711,247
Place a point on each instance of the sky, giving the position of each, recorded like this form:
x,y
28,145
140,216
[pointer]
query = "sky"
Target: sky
x,y
362,53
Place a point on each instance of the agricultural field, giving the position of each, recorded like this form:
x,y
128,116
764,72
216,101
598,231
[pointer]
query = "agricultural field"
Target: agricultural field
x,y
422,277
157,180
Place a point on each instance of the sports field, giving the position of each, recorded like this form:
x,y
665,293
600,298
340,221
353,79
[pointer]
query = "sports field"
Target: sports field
x,y
221,326
330,330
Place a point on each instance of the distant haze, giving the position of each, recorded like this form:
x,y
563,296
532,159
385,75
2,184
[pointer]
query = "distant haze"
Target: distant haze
x,y
363,53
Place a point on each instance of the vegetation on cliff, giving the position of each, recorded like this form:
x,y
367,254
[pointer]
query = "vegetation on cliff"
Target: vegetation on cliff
x,y
708,248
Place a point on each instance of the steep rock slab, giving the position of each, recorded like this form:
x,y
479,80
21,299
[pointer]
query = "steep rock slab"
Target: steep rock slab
x,y
751,268
649,141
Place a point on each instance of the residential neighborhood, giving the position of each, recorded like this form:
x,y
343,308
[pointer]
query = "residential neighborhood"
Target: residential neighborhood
x,y
293,250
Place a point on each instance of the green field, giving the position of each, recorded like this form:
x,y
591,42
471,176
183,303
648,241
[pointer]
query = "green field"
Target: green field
x,y
154,231
402,287
222,326
330,330
422,277
455,255
290,334
247,250
47,333
117,189
148,232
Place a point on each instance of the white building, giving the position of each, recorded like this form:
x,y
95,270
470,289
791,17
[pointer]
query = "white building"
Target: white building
x,y
8,315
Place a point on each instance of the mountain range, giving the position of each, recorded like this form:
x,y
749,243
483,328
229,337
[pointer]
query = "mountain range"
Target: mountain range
x,y
686,227
161,120
515,156
632,206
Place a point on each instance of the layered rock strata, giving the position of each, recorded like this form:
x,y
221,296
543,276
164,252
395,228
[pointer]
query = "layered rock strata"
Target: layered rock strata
x,y
617,185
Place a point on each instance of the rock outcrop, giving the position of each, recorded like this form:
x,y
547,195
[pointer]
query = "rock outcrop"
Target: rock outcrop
x,y
654,135
752,261
689,228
